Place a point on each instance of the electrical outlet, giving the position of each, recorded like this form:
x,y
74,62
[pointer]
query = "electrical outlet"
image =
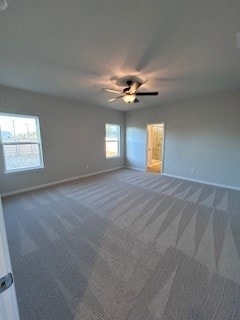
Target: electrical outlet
x,y
87,166
193,170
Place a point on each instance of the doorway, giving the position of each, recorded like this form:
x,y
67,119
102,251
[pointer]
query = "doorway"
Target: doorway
x,y
155,147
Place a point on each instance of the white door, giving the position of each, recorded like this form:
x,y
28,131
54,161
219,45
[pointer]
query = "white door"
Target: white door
x,y
8,301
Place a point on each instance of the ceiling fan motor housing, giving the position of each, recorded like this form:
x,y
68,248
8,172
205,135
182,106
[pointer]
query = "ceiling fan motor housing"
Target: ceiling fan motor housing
x,y
129,82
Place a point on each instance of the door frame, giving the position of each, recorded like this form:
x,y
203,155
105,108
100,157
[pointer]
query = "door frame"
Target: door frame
x,y
8,300
163,144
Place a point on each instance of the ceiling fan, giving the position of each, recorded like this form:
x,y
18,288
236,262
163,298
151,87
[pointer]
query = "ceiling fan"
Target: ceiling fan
x,y
130,93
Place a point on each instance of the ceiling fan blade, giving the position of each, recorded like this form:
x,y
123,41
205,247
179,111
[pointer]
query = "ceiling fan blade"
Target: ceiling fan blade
x,y
154,93
115,98
134,86
111,90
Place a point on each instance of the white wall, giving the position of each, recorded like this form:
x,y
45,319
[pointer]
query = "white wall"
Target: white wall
x,y
73,137
201,133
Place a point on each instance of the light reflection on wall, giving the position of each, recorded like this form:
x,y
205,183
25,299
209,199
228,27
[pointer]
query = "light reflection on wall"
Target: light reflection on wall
x,y
135,137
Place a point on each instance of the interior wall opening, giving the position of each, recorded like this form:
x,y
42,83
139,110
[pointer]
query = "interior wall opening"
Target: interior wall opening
x,y
155,147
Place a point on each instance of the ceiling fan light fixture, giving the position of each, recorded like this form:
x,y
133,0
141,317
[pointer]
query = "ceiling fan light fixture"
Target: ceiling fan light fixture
x,y
129,98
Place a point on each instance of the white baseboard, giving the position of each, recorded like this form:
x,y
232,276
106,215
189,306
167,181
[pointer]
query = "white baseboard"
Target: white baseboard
x,y
10,193
108,170
133,168
202,181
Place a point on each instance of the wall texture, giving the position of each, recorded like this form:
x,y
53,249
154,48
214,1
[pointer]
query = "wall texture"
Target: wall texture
x,y
73,137
201,134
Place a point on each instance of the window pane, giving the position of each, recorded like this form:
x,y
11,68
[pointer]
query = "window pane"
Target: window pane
x,y
21,142
22,156
18,129
112,131
112,139
112,149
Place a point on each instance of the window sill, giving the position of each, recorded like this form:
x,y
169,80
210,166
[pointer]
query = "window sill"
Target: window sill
x,y
113,157
24,170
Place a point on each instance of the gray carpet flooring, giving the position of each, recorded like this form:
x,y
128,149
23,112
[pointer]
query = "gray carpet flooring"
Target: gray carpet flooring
x,y
126,245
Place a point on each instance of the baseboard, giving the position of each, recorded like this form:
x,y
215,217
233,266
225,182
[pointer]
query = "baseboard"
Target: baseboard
x,y
134,168
202,181
11,193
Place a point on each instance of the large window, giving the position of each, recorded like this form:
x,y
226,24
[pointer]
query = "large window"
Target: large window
x,y
112,140
20,142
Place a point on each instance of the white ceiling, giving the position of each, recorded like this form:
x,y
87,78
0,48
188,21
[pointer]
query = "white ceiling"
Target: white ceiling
x,y
73,48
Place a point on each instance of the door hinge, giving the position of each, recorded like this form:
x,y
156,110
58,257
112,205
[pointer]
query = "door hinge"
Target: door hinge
x,y
6,282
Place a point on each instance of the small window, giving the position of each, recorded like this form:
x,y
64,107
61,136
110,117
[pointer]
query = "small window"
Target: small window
x,y
112,140
20,142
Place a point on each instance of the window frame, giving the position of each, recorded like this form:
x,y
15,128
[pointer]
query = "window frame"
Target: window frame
x,y
118,140
39,143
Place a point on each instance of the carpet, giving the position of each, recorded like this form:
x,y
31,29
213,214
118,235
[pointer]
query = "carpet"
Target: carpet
x,y
126,245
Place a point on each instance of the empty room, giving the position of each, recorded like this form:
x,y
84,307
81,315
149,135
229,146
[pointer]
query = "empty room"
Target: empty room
x,y
120,160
